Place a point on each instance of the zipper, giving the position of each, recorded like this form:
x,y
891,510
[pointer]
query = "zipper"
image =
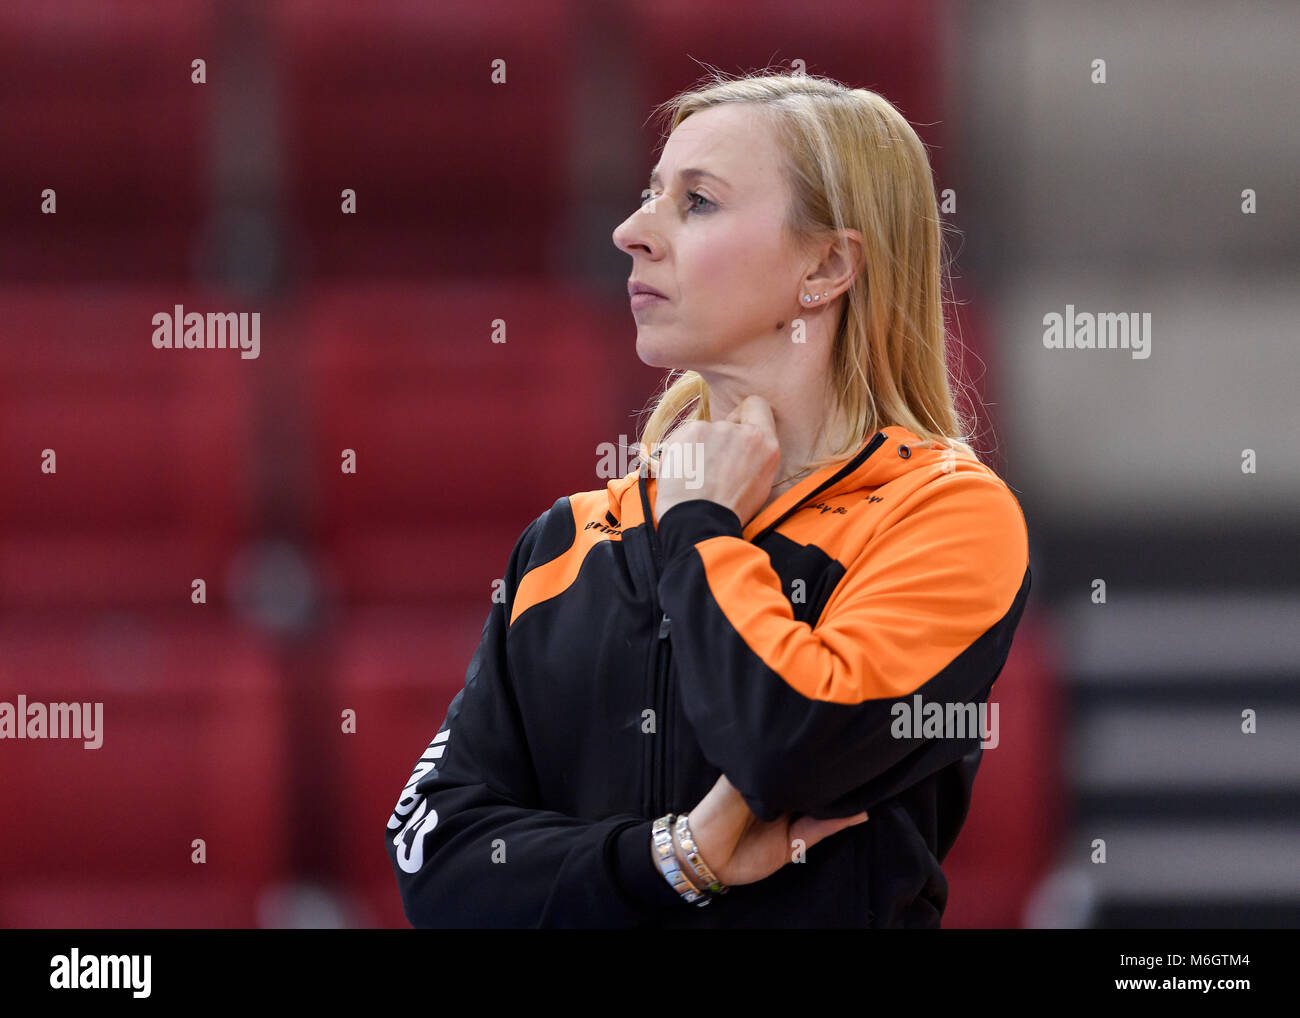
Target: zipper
x,y
661,649
876,441
658,665
665,670
648,754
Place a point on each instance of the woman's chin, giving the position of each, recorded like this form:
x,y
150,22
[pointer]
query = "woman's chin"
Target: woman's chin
x,y
652,354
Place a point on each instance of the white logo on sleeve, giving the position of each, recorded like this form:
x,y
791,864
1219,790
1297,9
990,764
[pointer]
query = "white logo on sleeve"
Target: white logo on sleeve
x,y
420,820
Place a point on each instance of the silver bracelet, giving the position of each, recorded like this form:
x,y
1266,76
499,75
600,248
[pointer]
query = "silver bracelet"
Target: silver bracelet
x,y
702,871
666,857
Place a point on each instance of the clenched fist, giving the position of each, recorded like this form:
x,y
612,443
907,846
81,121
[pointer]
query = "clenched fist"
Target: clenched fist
x,y
731,462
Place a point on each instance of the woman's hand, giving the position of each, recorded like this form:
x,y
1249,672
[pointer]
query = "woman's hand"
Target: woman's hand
x,y
738,848
730,462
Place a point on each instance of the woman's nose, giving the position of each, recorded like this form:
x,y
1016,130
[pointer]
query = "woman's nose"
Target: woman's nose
x,y
632,233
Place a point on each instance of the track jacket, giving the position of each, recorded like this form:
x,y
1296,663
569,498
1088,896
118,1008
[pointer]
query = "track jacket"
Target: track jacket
x,y
626,664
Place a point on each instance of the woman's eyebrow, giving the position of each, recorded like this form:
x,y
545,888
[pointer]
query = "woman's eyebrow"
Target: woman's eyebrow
x,y
690,173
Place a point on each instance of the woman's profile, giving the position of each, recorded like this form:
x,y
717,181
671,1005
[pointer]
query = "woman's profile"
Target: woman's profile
x,y
743,685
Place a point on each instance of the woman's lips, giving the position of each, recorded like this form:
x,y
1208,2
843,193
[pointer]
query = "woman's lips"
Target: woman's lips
x,y
641,300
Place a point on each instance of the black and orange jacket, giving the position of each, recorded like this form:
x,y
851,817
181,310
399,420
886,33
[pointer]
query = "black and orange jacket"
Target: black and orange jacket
x,y
629,662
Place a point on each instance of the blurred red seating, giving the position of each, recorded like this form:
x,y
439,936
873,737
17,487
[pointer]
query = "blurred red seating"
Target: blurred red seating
x,y
460,441
154,449
881,45
96,102
399,105
192,728
69,902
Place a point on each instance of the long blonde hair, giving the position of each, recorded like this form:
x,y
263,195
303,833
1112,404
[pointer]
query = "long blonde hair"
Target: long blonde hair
x,y
853,161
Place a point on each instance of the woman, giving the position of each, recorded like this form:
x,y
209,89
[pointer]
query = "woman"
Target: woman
x,y
704,683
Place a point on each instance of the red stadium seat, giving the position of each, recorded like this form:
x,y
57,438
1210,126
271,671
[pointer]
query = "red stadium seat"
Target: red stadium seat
x,y
460,441
96,103
154,449
191,731
881,45
400,106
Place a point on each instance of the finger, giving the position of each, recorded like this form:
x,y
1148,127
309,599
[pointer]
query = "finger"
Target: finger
x,y
813,831
757,411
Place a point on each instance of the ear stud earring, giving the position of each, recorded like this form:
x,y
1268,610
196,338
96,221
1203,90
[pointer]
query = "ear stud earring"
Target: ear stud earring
x,y
809,300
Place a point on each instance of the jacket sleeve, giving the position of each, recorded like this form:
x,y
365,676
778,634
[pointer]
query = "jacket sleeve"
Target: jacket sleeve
x,y
471,845
818,719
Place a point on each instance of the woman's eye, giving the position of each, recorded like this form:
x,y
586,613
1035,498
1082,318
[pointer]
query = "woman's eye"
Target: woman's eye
x,y
691,196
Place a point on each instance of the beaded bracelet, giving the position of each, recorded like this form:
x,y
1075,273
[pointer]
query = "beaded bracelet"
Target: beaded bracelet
x,y
702,871
666,857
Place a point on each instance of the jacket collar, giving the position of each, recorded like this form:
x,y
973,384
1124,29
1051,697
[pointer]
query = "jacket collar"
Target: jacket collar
x,y
888,454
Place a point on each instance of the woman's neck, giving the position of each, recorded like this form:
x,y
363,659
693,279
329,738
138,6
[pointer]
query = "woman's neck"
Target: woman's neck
x,y
796,382
803,439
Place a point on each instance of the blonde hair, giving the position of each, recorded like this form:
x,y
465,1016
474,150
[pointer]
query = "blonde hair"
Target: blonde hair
x,y
853,161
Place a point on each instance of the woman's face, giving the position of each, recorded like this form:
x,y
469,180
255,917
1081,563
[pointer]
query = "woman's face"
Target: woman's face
x,y
714,245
